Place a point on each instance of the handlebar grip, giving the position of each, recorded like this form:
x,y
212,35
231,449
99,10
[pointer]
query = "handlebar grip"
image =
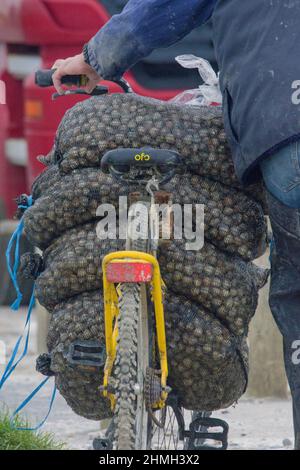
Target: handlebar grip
x,y
43,78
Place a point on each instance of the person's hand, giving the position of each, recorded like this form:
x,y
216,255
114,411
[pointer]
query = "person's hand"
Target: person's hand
x,y
74,66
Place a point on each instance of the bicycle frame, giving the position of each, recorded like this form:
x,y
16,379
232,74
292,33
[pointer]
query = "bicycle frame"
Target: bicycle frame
x,y
142,273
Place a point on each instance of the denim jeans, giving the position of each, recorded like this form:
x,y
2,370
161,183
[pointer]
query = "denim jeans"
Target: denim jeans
x,y
281,174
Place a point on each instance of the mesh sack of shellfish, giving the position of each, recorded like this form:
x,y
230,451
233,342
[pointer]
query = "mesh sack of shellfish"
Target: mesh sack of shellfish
x,y
206,374
224,285
211,294
233,221
77,325
205,332
99,124
208,365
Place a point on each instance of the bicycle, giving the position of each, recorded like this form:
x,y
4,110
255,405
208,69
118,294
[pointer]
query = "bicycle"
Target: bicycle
x,y
147,413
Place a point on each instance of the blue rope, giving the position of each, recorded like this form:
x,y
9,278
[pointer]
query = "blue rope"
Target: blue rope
x,y
27,400
15,240
11,365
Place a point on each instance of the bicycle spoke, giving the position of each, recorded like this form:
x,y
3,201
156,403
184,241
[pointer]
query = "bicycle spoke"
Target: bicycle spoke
x,y
166,438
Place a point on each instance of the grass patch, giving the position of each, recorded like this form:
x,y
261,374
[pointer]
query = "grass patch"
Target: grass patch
x,y
12,439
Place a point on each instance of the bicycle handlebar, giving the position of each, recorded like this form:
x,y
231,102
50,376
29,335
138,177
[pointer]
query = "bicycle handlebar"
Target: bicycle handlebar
x,y
43,78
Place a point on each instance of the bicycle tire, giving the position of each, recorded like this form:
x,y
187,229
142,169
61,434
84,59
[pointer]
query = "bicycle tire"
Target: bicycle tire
x,y
130,413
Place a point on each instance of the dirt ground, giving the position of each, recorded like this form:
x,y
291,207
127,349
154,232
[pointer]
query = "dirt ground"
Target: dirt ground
x,y
254,424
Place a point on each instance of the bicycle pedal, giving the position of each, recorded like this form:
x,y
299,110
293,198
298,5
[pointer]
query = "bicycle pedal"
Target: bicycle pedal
x,y
100,443
86,354
198,438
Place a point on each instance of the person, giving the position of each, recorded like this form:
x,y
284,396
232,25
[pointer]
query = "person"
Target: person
x,y
256,46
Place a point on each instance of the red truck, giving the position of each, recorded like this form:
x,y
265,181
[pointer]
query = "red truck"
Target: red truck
x,y
34,33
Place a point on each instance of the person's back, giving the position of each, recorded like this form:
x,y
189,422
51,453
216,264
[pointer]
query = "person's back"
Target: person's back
x,y
256,48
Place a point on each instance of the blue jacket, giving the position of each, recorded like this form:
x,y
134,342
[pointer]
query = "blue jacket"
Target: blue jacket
x,y
144,25
257,50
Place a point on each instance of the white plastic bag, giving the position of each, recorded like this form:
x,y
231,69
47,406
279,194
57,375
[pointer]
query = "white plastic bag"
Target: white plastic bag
x,y
208,94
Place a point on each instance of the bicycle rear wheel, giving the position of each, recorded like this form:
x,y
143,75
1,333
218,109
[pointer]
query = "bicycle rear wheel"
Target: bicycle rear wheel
x,y
135,427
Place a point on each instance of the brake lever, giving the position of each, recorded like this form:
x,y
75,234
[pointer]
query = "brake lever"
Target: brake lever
x,y
97,91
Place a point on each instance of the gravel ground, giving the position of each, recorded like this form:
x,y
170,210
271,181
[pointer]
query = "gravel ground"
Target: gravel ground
x,y
254,424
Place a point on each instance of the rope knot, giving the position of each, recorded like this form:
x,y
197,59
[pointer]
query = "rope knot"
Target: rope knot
x,y
23,202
